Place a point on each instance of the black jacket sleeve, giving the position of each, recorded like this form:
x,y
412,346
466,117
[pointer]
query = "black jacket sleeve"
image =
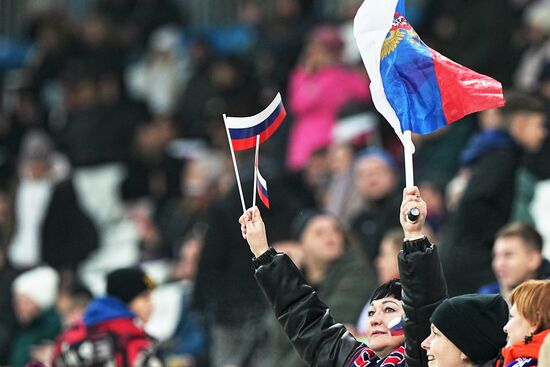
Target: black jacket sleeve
x,y
319,340
423,289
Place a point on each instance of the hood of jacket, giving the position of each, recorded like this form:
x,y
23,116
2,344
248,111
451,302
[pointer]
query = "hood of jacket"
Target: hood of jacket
x,y
106,308
484,142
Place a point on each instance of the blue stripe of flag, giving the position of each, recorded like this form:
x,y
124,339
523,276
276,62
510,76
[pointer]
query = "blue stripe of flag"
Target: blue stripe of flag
x,y
263,189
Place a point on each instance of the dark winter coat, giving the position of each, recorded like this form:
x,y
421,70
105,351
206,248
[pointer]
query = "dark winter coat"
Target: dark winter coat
x,y
44,328
485,207
68,234
345,289
374,220
320,341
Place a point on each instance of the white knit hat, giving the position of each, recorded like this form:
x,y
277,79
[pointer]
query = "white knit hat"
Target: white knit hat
x,y
39,284
538,15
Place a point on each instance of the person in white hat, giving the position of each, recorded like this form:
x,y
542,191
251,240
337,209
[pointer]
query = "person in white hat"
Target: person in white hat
x,y
34,296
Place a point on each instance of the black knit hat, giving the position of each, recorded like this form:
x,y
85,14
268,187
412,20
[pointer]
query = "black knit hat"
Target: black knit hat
x,y
474,324
128,283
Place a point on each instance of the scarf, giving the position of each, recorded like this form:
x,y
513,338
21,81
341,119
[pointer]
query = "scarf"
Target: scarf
x,y
525,353
367,358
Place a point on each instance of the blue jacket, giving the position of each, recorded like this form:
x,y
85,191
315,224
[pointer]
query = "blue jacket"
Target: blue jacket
x,y
106,308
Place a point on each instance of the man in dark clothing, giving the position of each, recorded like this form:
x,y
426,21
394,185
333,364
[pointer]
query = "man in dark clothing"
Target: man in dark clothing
x,y
110,333
225,292
517,257
487,201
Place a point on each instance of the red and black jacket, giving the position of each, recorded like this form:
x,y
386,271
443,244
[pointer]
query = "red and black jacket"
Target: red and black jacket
x,y
107,336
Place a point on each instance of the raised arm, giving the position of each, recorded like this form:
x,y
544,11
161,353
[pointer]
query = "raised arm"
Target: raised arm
x,y
319,340
422,281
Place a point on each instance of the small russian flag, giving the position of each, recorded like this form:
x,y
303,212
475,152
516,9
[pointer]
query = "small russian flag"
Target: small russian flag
x,y
262,188
396,327
243,130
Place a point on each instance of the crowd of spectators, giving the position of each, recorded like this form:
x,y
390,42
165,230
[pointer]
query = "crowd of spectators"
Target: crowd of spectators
x,y
113,153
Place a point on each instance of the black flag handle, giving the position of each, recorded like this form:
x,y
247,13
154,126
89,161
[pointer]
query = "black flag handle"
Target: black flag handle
x,y
413,215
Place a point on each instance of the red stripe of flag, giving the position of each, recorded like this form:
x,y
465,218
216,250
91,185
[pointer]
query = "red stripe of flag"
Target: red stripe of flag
x,y
262,195
242,144
459,98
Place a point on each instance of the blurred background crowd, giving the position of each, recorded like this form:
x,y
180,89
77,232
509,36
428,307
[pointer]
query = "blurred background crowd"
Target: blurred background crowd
x,y
113,152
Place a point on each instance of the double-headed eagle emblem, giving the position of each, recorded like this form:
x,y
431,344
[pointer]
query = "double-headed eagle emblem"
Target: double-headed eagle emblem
x,y
399,30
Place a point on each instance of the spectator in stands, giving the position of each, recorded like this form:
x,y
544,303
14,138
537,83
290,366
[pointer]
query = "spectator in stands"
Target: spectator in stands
x,y
160,76
38,176
200,183
318,89
113,323
72,303
331,265
376,180
486,203
34,295
455,339
188,346
517,257
225,291
342,199
386,261
537,51
529,323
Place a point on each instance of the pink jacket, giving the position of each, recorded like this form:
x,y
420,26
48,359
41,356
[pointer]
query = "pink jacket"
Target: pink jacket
x,y
315,100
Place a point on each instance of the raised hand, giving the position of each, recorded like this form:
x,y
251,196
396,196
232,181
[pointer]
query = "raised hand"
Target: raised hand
x,y
253,231
412,199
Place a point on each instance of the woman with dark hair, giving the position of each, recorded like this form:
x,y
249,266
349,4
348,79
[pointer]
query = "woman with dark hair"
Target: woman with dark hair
x,y
331,264
465,330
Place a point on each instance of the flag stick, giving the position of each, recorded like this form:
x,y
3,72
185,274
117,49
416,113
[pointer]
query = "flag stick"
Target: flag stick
x,y
409,170
414,213
256,171
234,164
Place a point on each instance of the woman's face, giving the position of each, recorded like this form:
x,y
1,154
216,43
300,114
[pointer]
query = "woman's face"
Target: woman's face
x,y
518,327
323,239
386,261
383,314
441,351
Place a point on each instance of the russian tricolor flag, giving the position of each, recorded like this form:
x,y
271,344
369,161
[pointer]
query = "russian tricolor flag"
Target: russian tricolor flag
x,y
414,87
396,327
261,186
243,130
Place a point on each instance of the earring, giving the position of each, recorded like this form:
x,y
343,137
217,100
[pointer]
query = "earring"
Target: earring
x,y
528,339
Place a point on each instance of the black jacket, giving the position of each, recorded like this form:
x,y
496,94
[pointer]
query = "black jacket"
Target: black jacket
x,y
374,220
485,207
322,342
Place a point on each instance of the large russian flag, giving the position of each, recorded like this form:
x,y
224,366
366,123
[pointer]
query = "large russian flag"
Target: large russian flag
x,y
243,130
414,87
